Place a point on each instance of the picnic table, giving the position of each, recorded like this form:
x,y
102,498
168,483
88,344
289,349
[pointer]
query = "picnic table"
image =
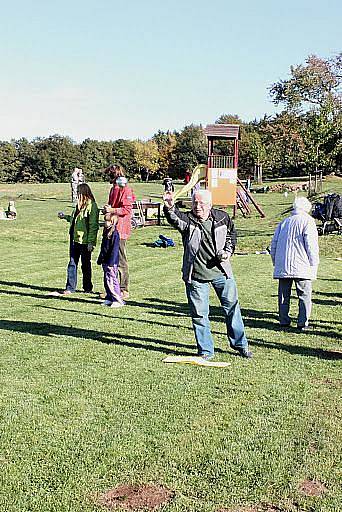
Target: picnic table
x,y
148,212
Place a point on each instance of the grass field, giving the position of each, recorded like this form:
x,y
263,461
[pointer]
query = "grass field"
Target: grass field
x,y
87,404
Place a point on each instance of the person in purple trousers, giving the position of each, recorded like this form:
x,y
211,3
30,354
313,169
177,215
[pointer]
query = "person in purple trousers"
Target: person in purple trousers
x,y
109,259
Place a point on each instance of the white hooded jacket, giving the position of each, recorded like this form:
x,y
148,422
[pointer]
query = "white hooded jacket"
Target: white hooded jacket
x,y
294,247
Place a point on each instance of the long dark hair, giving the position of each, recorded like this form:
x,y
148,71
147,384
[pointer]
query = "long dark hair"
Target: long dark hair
x,y
84,195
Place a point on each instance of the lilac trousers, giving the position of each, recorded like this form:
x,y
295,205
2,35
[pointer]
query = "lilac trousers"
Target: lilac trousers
x,y
111,283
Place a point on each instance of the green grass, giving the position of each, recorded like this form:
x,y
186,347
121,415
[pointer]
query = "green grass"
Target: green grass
x,y
87,404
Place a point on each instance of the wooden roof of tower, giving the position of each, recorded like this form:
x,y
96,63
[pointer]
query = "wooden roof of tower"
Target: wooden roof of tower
x,y
222,131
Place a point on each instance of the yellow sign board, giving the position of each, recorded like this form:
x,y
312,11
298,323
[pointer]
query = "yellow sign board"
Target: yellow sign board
x,y
222,184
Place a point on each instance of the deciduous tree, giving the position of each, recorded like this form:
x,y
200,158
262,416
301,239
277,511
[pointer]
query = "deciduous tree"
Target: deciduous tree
x,y
190,150
145,157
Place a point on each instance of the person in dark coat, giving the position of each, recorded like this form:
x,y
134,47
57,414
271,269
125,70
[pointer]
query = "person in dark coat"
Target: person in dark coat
x,y
168,184
109,259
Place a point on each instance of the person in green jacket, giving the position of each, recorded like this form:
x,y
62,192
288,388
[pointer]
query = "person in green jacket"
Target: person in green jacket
x,y
84,225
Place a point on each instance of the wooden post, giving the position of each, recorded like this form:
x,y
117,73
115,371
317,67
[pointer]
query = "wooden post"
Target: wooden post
x,y
159,216
259,167
239,205
257,207
236,153
310,184
242,204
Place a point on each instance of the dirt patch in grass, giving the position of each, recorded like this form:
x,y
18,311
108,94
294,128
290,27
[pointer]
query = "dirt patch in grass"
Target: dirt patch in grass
x,y
133,497
312,488
254,508
334,383
313,447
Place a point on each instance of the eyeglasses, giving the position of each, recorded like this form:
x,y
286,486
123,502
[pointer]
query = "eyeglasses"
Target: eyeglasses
x,y
200,203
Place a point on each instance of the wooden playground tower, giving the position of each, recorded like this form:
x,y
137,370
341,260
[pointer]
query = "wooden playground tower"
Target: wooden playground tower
x,y
222,171
220,174
221,177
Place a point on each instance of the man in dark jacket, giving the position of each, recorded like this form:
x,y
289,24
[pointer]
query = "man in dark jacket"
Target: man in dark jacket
x,y
209,240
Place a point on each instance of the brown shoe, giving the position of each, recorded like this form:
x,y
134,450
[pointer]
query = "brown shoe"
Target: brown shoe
x,y
60,294
124,294
102,295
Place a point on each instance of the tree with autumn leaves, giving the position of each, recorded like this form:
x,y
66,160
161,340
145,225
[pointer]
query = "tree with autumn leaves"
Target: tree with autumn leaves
x,y
311,96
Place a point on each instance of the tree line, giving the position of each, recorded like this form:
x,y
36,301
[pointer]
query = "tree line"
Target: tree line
x,y
305,136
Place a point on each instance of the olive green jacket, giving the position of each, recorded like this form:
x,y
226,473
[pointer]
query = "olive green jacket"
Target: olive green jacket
x,y
86,224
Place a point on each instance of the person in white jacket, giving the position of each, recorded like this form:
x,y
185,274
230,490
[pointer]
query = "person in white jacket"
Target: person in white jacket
x,y
295,256
77,178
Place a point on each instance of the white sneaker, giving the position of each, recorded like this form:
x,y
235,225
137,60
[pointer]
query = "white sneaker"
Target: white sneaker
x,y
119,299
106,303
116,305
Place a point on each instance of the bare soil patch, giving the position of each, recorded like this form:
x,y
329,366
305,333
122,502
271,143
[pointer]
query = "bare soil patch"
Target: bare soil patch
x,y
313,447
254,508
134,497
312,488
334,383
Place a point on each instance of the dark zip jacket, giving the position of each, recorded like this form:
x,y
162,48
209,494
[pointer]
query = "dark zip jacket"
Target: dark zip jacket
x,y
109,253
223,233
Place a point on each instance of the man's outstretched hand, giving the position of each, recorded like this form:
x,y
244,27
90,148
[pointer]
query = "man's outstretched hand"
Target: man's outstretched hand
x,y
168,199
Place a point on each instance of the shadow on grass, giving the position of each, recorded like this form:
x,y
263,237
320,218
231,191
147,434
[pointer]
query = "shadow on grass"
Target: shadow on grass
x,y
252,318
17,284
102,315
67,298
320,321
329,294
145,343
299,350
151,244
327,302
328,279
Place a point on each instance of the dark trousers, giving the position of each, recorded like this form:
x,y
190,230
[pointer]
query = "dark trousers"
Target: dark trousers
x,y
78,251
123,267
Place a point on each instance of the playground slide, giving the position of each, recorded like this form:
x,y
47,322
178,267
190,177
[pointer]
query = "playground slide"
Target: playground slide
x,y
198,174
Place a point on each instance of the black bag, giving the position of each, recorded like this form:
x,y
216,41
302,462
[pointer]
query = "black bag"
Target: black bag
x,y
333,206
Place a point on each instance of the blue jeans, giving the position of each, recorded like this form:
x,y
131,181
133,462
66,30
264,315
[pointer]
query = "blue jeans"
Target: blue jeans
x,y
198,299
78,251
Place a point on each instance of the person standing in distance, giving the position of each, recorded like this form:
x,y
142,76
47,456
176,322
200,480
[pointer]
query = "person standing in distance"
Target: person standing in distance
x,y
77,178
120,201
209,240
295,256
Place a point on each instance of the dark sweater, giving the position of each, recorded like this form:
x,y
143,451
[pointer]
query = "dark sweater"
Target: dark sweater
x,y
109,253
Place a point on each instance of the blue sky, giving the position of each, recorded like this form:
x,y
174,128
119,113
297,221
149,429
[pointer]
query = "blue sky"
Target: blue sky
x,y
125,69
